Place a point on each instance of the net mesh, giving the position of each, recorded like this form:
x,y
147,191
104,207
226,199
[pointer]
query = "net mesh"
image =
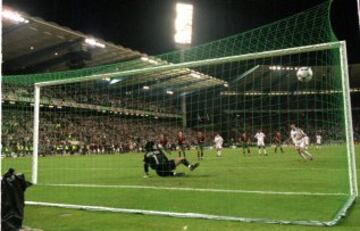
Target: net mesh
x,y
103,111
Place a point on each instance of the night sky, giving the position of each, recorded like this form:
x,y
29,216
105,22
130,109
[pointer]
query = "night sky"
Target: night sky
x,y
147,25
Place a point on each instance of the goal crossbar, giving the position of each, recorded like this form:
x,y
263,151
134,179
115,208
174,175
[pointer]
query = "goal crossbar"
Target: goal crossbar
x,y
192,64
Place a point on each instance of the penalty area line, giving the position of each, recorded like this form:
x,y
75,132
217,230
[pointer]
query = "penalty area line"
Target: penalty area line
x,y
213,190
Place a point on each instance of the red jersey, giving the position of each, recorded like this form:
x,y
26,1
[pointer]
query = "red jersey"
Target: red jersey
x,y
163,142
201,139
244,138
278,137
181,139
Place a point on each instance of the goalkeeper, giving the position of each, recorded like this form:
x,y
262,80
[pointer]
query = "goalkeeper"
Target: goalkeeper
x,y
157,160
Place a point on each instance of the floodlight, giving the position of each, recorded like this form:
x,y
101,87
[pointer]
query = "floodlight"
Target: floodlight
x,y
149,60
94,43
183,23
146,87
195,75
169,92
113,81
145,59
14,16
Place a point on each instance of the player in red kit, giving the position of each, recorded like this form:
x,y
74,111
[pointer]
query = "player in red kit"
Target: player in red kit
x,y
278,142
200,148
181,143
163,144
245,142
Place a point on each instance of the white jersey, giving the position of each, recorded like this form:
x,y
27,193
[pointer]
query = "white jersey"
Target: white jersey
x,y
299,138
297,135
318,139
260,136
218,141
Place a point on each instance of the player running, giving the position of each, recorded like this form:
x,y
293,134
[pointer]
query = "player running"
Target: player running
x,y
181,143
218,140
200,145
245,142
318,141
260,137
157,160
278,142
298,137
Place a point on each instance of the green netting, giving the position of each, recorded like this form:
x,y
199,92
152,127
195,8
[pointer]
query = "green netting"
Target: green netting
x,y
225,87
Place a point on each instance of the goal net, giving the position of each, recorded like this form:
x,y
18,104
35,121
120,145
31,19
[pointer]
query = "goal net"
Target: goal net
x,y
81,134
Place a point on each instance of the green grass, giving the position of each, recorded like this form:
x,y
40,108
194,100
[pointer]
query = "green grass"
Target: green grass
x,y
277,172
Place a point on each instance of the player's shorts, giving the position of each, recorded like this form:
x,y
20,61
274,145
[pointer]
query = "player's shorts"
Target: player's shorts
x,y
218,146
200,146
306,140
260,144
182,147
300,143
166,169
318,142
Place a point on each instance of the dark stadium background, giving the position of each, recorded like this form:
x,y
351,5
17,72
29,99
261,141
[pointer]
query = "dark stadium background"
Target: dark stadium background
x,y
146,25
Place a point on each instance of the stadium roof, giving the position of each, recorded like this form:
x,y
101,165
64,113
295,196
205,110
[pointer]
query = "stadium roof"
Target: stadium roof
x,y
39,46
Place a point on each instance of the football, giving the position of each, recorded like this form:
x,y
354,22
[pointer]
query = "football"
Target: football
x,y
304,74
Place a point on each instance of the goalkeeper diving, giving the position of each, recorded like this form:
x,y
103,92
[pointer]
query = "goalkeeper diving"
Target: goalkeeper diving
x,y
158,161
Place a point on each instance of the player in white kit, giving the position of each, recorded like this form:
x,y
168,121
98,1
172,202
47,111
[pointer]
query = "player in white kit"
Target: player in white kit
x,y
218,140
299,138
307,141
318,141
260,137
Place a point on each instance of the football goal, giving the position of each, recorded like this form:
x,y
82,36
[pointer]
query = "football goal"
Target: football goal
x,y
81,134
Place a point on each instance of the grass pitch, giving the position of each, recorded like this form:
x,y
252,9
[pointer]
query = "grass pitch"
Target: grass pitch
x,y
278,186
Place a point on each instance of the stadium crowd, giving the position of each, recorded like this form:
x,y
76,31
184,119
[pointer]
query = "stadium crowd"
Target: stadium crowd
x,y
76,133
102,98
68,133
356,127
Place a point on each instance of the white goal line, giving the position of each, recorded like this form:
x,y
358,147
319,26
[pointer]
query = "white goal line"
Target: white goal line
x,y
213,190
174,214
332,222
